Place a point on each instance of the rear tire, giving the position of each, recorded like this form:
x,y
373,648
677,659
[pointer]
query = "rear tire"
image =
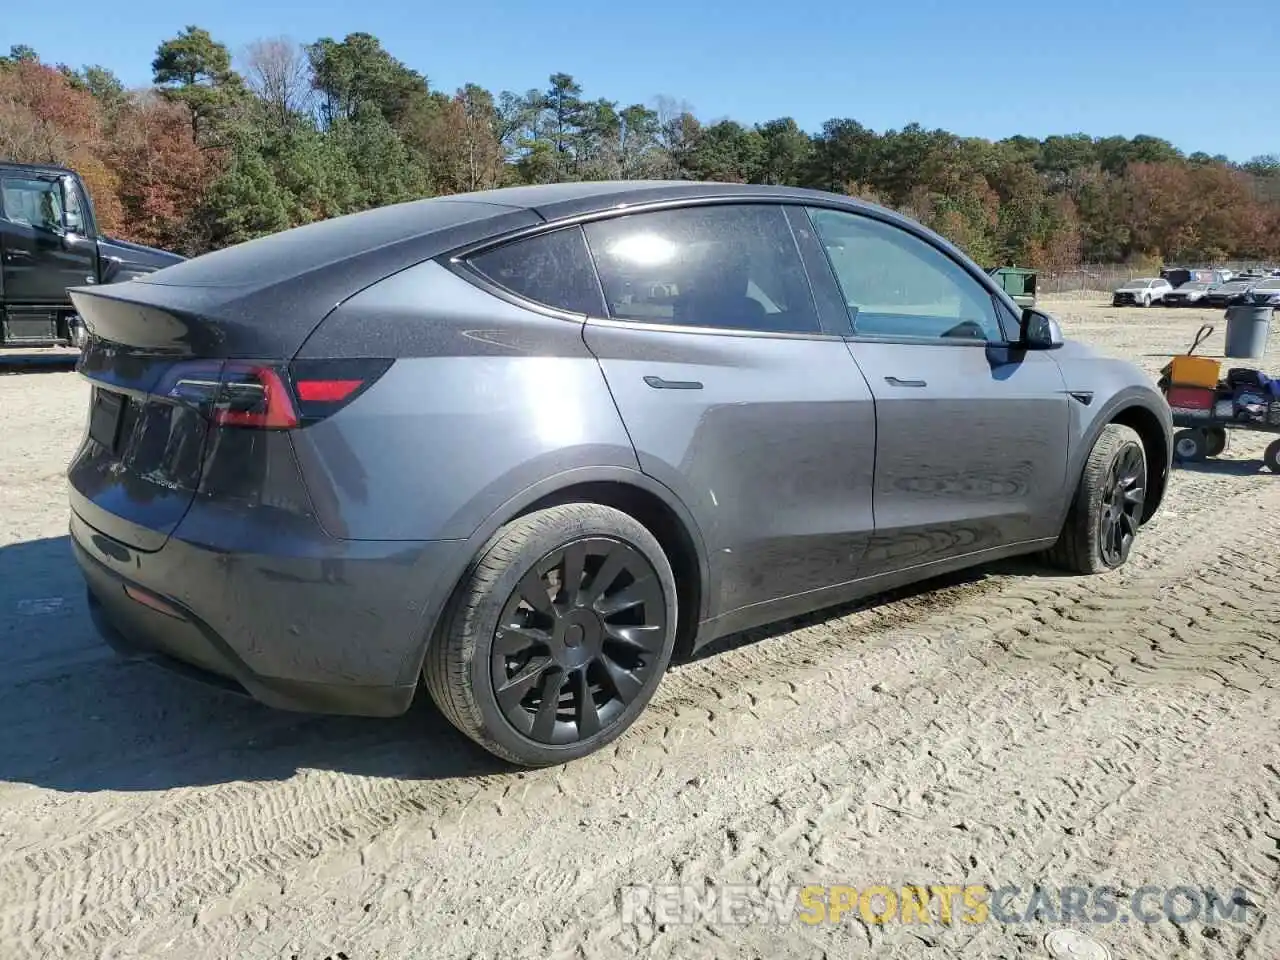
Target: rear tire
x,y
1107,509
537,660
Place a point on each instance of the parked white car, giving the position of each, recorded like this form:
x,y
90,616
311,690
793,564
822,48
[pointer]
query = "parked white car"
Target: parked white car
x,y
1142,292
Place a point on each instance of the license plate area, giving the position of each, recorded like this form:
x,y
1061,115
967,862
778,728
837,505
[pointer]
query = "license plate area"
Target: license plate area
x,y
105,417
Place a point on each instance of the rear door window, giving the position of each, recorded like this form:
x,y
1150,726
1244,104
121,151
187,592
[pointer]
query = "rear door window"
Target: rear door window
x,y
732,266
553,269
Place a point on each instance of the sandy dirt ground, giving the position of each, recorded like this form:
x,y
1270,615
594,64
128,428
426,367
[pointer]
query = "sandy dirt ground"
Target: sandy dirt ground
x,y
1004,727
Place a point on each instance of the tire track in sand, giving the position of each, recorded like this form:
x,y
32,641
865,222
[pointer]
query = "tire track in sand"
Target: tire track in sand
x,y
1052,615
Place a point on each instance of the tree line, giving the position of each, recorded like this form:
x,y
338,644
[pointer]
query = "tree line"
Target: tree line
x,y
220,150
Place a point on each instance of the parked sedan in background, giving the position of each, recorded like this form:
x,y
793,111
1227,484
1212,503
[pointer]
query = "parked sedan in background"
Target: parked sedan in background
x,y
523,445
1188,294
1266,293
1228,293
1141,292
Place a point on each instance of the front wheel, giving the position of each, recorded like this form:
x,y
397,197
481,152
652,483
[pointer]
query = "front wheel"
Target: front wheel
x,y
558,637
1146,301
1107,510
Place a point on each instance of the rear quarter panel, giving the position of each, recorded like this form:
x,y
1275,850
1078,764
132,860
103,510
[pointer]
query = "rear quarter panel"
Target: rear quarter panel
x,y
485,400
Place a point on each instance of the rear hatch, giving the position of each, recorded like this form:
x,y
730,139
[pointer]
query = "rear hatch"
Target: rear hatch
x,y
193,392
170,422
163,385
140,460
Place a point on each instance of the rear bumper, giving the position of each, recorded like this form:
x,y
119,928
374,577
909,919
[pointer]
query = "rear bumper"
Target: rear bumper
x,y
333,627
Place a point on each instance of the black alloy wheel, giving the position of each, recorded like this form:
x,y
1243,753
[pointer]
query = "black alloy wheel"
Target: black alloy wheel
x,y
1123,495
578,640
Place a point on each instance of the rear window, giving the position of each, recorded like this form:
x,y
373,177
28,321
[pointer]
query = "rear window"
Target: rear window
x,y
553,269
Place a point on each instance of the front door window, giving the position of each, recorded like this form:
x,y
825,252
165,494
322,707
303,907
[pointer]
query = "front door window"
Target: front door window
x,y
34,203
897,286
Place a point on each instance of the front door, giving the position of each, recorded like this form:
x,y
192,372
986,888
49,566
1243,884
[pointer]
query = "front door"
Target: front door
x,y
39,258
972,434
736,399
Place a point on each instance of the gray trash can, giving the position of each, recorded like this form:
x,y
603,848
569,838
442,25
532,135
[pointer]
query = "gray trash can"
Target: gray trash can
x,y
1247,329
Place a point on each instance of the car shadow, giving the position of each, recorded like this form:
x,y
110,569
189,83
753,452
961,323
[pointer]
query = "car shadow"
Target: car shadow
x,y
77,717
935,586
1224,468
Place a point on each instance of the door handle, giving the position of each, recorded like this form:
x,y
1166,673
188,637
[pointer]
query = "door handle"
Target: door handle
x,y
895,382
659,384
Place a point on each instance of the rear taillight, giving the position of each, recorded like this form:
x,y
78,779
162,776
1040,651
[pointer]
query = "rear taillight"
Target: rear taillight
x,y
254,395
270,396
323,387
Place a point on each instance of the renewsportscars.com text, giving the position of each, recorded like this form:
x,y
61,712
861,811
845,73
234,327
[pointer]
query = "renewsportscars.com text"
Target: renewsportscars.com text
x,y
943,904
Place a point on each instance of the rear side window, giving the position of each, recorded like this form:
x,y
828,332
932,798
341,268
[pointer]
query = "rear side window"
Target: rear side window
x,y
727,266
553,269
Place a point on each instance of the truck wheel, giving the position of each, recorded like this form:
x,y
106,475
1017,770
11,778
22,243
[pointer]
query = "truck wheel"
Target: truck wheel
x,y
558,636
1107,510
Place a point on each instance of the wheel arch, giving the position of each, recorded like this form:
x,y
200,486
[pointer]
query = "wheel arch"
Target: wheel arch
x,y
634,493
1155,443
664,521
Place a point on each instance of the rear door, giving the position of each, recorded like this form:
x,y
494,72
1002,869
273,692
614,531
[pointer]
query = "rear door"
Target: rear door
x,y
972,435
734,396
38,260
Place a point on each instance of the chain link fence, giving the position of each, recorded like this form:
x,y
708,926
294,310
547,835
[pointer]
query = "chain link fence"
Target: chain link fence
x,y
1091,280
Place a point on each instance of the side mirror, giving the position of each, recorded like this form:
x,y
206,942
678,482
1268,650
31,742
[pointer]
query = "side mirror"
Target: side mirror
x,y
72,218
1038,331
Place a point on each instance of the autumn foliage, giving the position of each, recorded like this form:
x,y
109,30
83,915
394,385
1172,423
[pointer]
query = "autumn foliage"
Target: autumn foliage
x,y
213,155
161,173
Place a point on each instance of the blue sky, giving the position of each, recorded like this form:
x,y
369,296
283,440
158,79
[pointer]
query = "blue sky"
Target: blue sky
x,y
1204,80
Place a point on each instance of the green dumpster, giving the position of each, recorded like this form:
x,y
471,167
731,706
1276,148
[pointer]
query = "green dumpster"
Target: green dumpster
x,y
1018,282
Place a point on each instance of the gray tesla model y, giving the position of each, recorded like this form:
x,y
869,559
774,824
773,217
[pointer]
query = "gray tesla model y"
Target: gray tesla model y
x,y
528,444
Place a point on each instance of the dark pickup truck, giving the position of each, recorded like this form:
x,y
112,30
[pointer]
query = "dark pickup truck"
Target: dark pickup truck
x,y
49,241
